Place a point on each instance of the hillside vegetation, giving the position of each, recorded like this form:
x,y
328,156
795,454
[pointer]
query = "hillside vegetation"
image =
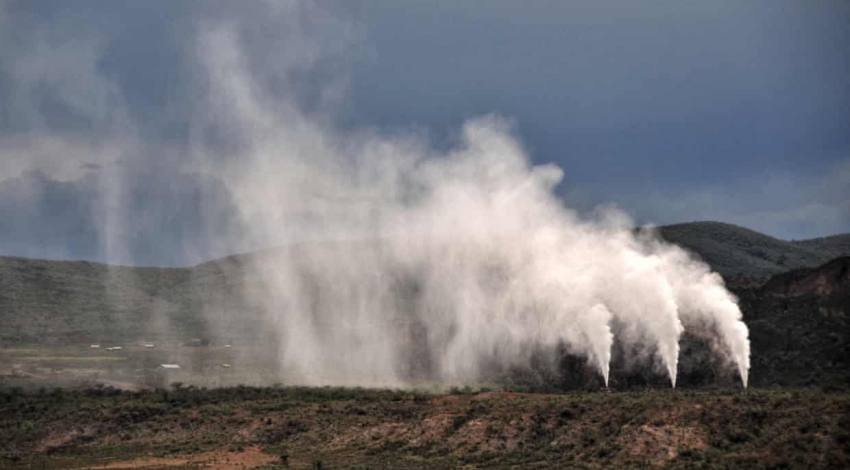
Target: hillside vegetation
x,y
301,428
737,251
799,326
48,301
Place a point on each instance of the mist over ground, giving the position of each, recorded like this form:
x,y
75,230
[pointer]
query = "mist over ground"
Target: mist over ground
x,y
461,248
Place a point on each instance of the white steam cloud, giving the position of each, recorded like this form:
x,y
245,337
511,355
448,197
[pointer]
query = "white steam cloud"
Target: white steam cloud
x,y
468,248
394,257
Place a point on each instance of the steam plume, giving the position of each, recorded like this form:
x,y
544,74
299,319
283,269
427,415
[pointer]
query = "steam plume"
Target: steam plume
x,y
493,261
393,256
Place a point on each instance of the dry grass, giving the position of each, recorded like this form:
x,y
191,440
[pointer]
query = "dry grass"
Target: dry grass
x,y
345,428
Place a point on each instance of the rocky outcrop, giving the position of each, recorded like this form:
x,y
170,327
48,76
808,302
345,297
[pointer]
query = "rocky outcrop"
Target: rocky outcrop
x,y
832,278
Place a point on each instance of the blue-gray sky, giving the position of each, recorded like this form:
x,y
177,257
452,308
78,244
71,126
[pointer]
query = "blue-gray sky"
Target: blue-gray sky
x,y
743,109
673,110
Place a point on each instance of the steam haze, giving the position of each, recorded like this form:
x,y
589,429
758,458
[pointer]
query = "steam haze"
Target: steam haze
x,y
393,259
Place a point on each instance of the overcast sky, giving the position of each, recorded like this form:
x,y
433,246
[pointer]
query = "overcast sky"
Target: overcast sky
x,y
672,110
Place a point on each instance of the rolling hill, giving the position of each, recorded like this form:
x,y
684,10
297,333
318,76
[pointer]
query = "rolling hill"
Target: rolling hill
x,y
737,251
798,334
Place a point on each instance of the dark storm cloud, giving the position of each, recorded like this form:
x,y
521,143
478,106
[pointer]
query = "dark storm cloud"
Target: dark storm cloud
x,y
636,101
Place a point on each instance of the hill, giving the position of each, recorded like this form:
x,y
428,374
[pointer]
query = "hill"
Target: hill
x,y
737,251
799,326
41,300
831,247
45,301
798,332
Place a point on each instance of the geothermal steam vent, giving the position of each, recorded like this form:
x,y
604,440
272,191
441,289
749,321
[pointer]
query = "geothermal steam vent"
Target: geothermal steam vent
x,y
408,261
481,263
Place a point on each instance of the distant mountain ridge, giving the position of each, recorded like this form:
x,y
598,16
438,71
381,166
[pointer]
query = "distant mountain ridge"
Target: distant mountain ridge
x,y
735,251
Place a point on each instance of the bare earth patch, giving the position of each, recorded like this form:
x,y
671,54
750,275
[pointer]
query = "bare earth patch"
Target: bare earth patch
x,y
215,460
658,444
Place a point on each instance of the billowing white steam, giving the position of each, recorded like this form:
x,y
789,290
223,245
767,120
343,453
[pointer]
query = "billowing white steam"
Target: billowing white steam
x,y
466,254
396,256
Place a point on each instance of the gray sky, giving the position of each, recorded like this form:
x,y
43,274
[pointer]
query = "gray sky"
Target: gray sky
x,y
673,110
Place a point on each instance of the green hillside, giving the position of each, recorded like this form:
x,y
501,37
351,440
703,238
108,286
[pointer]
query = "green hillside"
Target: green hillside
x,y
832,247
737,251
799,326
41,300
